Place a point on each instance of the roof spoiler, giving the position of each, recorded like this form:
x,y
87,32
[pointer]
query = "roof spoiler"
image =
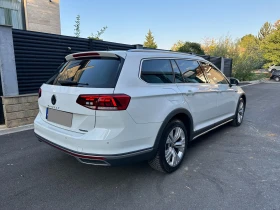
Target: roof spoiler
x,y
90,55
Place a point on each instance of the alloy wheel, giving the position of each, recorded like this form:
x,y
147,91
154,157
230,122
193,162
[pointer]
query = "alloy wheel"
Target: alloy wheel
x,y
175,146
240,112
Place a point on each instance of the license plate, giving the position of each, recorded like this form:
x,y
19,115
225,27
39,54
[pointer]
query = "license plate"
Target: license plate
x,y
59,117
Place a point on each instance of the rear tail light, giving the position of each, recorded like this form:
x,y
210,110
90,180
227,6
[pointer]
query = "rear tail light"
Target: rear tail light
x,y
40,93
104,102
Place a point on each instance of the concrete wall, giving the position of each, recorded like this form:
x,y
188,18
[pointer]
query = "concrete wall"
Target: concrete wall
x,y
20,110
7,62
42,16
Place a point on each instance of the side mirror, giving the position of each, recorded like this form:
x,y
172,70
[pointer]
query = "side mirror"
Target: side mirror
x,y
233,81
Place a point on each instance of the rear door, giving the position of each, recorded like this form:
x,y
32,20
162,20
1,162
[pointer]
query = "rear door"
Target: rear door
x,y
198,93
226,99
87,76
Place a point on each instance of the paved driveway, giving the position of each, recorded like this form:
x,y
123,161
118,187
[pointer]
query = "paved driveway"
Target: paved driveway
x,y
230,168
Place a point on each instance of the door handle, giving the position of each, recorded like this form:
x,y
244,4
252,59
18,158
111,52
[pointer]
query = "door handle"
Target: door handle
x,y
190,93
215,90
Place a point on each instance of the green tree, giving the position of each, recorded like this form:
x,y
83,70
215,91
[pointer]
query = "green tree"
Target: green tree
x,y
177,45
223,47
277,24
245,60
150,41
265,30
271,48
77,31
98,34
191,47
249,41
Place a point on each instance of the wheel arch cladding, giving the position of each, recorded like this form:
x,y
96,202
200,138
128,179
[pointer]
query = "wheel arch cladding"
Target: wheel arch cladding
x,y
181,114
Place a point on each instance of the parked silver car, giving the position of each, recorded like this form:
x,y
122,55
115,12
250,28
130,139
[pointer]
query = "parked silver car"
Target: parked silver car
x,y
273,68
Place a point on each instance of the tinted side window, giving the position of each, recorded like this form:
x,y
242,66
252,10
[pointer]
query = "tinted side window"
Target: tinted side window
x,y
177,72
214,75
157,71
191,71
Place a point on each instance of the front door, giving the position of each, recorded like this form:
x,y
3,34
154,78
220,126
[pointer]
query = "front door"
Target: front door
x,y
226,100
199,95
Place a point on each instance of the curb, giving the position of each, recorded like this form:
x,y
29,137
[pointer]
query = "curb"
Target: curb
x,y
5,131
254,82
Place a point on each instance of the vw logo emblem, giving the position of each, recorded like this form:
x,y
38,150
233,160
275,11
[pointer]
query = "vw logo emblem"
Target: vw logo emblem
x,y
53,100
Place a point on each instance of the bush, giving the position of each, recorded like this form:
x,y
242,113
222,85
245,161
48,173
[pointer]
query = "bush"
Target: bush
x,y
245,61
244,64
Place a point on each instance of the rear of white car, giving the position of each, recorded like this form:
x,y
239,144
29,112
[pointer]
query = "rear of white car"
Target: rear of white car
x,y
81,114
117,107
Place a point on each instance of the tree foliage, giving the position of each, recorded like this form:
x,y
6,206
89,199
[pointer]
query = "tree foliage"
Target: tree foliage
x,y
246,58
265,30
77,30
246,62
150,41
277,24
250,52
271,48
223,47
98,34
177,45
191,47
249,41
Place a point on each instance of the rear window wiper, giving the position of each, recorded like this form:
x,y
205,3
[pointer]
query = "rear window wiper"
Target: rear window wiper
x,y
69,83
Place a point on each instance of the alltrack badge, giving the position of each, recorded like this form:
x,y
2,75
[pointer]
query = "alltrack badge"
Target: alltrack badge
x,y
53,100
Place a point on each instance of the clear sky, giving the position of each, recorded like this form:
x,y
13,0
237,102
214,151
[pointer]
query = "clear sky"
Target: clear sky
x,y
128,21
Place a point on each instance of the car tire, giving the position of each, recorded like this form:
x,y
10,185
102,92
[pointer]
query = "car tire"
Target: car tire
x,y
277,79
239,113
172,148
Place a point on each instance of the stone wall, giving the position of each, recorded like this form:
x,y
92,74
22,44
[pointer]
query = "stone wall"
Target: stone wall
x,y
20,110
42,16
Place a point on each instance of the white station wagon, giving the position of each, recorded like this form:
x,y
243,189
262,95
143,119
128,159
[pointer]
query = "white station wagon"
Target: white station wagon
x,y
118,107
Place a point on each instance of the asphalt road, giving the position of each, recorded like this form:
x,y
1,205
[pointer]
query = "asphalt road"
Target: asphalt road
x,y
230,168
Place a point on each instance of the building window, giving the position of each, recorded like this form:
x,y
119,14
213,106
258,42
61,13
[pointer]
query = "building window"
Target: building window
x,y
11,13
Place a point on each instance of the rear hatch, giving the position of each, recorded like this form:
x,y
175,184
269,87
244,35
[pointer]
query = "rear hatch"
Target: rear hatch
x,y
68,100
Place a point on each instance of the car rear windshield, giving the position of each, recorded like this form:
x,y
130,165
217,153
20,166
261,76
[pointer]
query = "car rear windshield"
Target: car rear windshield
x,y
94,73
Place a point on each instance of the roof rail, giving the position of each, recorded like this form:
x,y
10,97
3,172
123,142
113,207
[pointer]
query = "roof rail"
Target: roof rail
x,y
159,51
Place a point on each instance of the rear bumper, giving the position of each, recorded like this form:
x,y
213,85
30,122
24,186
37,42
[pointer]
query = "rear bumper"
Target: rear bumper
x,y
105,139
105,160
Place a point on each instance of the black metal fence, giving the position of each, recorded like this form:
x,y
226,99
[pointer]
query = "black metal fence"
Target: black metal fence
x,y
38,55
228,66
2,120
